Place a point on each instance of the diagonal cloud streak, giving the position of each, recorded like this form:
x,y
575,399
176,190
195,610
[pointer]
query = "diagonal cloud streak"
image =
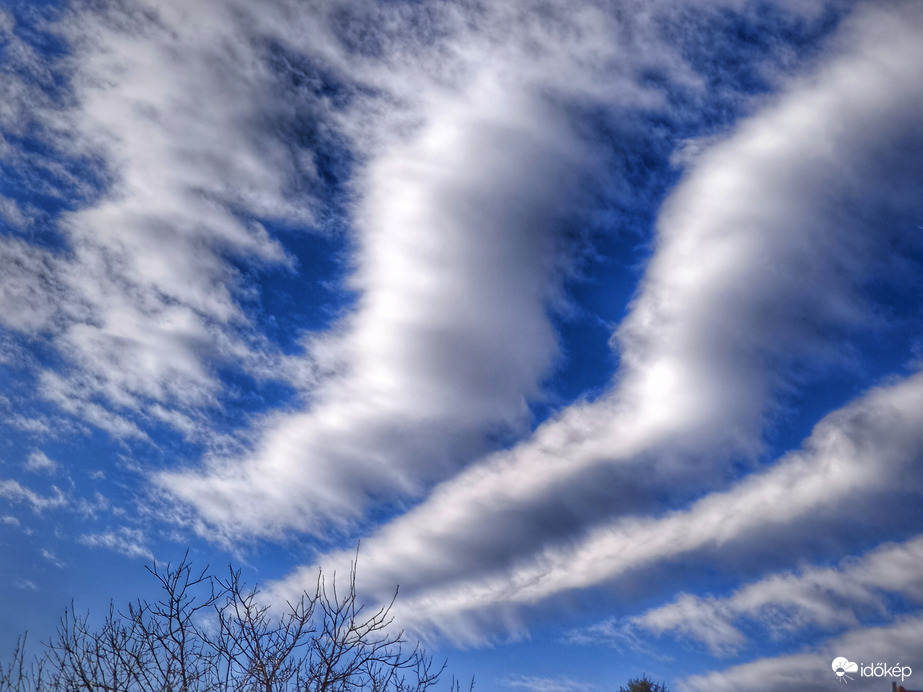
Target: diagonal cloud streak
x,y
894,643
826,597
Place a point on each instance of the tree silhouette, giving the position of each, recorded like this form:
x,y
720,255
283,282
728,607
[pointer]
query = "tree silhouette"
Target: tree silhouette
x,y
644,684
211,634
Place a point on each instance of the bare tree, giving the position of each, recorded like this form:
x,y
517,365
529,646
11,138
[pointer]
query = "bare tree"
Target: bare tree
x,y
17,675
211,634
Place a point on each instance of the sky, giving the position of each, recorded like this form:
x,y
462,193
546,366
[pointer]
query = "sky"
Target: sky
x,y
594,324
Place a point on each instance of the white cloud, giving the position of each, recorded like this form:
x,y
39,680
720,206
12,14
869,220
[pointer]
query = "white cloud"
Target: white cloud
x,y
450,334
13,213
541,684
468,171
465,168
126,541
619,634
53,559
38,461
760,266
32,296
897,643
15,492
92,508
853,455
464,172
142,305
829,598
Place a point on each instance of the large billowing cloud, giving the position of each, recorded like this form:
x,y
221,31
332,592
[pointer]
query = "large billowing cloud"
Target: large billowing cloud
x,y
461,220
450,335
762,264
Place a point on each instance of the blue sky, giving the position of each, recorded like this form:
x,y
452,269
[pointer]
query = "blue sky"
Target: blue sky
x,y
598,324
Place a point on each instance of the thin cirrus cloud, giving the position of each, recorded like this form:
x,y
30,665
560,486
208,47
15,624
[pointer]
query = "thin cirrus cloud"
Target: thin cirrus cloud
x,y
15,492
708,340
830,598
534,683
128,542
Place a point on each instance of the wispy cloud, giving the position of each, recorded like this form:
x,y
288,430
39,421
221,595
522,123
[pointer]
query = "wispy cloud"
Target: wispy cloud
x,y
27,585
15,492
38,461
53,559
126,541
830,598
620,634
541,684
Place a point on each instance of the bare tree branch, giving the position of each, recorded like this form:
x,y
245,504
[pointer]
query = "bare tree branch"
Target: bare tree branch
x,y
212,634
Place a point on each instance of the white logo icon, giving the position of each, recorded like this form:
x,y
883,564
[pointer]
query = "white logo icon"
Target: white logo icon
x,y
842,666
